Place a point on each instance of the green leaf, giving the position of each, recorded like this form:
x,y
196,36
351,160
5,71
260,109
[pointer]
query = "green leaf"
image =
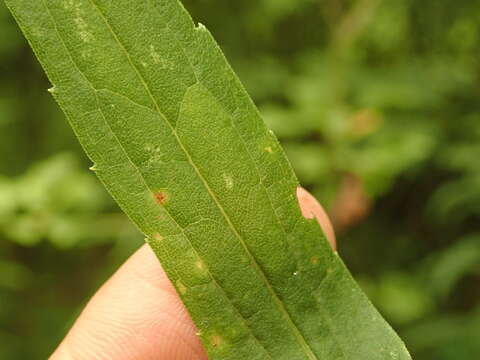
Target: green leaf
x,y
181,147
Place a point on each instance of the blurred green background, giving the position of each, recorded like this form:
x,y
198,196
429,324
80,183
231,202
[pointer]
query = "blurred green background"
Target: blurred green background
x,y
377,104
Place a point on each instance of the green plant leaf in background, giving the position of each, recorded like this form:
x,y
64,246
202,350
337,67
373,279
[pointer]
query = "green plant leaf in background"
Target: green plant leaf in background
x,y
181,147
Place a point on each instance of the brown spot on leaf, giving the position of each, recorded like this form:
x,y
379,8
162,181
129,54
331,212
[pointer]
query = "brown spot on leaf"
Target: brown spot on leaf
x,y
314,260
157,237
161,197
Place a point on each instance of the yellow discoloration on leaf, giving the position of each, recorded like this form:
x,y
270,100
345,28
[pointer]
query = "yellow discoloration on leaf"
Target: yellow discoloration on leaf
x,y
228,181
216,341
181,288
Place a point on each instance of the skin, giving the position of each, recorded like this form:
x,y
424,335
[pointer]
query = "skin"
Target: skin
x,y
137,315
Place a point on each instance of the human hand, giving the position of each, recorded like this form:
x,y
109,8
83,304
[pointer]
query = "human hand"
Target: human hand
x,y
137,314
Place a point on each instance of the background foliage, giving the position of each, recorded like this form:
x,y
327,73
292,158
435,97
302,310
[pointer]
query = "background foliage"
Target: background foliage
x,y
375,101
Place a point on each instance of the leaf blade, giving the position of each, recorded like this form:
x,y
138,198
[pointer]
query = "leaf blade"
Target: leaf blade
x,y
138,106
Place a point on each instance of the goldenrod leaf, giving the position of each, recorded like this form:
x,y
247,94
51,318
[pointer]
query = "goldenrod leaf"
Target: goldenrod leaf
x,y
181,147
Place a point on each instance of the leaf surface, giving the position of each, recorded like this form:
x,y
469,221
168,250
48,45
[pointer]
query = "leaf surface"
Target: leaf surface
x,y
181,147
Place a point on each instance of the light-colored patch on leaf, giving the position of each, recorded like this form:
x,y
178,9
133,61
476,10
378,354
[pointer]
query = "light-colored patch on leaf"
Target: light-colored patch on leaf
x,y
228,181
157,59
200,265
216,341
86,54
86,36
68,4
181,288
153,149
83,31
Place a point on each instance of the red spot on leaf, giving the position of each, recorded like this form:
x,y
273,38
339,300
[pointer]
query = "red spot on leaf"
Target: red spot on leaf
x,y
161,197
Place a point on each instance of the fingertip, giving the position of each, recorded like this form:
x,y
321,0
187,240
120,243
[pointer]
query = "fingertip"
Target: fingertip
x,y
312,209
136,314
